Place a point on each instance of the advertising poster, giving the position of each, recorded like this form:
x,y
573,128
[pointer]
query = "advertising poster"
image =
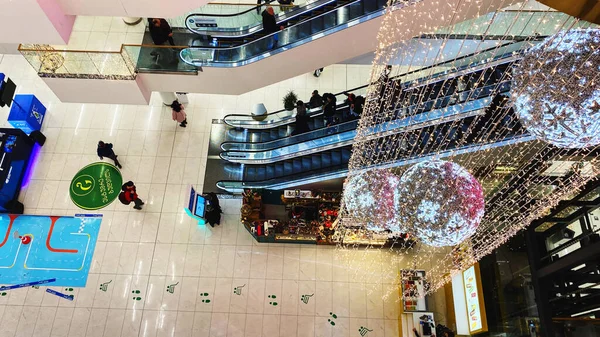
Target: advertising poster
x,y
474,300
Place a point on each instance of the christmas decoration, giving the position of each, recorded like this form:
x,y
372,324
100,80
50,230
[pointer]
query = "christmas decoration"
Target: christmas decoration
x,y
440,202
556,91
371,200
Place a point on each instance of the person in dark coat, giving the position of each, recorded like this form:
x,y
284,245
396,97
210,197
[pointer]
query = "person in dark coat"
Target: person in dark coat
x,y
106,150
270,25
129,194
302,119
213,209
329,108
316,101
160,31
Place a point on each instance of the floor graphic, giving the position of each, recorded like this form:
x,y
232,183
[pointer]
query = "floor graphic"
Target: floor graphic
x,y
364,331
332,319
35,248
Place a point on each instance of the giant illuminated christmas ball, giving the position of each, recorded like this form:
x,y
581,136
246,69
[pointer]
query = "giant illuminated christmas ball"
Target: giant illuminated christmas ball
x,y
370,199
556,90
440,202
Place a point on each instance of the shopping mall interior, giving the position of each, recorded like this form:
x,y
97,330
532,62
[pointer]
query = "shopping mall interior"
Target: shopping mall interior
x,y
307,168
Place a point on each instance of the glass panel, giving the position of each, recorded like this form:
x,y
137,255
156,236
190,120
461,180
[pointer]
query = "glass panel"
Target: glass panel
x,y
247,146
156,59
74,64
285,38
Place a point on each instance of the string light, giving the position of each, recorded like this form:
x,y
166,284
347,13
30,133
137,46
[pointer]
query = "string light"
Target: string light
x,y
482,139
557,98
440,202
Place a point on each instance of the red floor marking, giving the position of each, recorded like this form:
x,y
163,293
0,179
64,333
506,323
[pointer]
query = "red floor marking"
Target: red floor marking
x,y
12,219
55,250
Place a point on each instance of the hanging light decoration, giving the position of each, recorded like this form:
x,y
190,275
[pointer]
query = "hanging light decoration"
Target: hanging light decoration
x,y
441,202
557,96
370,199
448,80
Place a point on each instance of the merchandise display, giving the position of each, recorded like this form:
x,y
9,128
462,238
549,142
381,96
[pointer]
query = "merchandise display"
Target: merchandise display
x,y
309,216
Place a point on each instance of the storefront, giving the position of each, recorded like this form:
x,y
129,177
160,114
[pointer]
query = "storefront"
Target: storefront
x,y
306,217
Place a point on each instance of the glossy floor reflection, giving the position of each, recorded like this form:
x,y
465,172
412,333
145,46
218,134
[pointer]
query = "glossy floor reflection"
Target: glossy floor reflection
x,y
156,272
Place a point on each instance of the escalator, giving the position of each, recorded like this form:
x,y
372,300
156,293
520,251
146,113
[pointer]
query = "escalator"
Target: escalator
x,y
496,130
432,114
301,29
446,97
227,30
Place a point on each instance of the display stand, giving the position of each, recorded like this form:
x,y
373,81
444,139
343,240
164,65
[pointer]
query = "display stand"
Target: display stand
x,y
307,217
27,113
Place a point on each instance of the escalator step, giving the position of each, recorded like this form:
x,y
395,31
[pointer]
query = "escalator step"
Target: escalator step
x,y
261,173
297,165
270,172
325,159
306,163
250,173
346,153
315,161
336,157
287,168
278,170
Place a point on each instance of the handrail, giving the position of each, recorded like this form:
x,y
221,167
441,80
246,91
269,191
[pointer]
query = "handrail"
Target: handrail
x,y
255,7
366,85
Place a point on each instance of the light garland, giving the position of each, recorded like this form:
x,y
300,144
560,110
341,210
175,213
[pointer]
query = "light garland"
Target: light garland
x,y
557,97
441,202
370,199
478,143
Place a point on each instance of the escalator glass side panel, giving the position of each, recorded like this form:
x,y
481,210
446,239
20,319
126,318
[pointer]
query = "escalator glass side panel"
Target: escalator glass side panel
x,y
290,37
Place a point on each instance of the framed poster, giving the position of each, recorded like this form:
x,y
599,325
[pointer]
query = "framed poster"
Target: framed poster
x,y
413,290
474,300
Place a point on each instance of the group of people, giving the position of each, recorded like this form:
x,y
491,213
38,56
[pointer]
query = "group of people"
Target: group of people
x,y
327,102
128,191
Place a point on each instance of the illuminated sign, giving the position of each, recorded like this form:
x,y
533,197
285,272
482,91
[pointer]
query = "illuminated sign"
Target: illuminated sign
x,y
474,300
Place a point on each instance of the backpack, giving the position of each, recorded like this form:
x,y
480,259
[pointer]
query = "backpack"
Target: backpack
x,y
123,199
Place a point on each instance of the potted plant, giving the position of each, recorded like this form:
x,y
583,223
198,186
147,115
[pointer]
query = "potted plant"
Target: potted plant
x,y
289,100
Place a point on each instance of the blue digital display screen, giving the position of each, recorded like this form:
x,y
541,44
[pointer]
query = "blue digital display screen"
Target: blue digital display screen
x,y
200,206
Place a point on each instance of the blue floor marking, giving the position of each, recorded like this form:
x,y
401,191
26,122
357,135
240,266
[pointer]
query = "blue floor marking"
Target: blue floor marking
x,y
23,285
73,241
65,296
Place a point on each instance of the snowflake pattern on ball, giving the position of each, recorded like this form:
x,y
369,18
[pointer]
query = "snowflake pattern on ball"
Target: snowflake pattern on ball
x,y
557,97
370,198
440,202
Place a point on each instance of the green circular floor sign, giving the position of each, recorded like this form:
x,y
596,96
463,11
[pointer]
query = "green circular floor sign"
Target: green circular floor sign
x,y
96,186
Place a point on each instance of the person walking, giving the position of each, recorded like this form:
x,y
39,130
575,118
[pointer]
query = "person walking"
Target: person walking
x,y
129,195
179,114
302,119
106,150
270,25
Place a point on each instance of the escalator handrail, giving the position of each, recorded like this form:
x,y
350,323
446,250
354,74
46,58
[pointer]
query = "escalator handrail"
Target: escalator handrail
x,y
321,130
271,34
365,16
412,123
260,9
319,111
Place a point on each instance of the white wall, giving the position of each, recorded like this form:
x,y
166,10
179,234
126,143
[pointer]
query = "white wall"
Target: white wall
x,y
31,21
99,91
134,8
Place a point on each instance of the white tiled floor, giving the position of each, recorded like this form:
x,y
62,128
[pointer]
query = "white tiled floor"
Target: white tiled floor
x,y
148,250
102,33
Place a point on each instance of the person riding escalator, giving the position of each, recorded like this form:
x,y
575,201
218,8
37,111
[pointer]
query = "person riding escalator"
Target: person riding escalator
x,y
270,26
